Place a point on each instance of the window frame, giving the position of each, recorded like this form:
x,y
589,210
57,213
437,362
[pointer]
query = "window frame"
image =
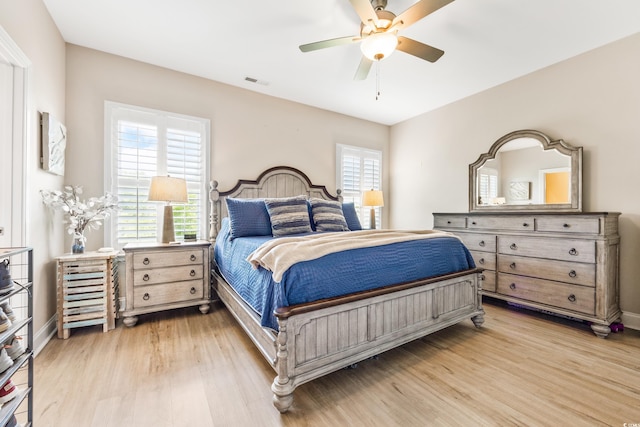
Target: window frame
x,y
348,195
115,111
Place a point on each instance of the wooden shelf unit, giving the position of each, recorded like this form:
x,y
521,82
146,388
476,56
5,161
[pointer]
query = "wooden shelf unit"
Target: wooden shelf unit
x,y
87,288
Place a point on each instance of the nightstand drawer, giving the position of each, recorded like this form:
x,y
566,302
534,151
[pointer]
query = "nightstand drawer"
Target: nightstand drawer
x,y
163,275
164,294
159,259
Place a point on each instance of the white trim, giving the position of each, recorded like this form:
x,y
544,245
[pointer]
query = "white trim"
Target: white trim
x,y
631,320
12,54
44,335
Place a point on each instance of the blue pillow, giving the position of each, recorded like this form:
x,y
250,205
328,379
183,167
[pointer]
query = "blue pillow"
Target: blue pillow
x,y
351,216
248,217
327,215
289,215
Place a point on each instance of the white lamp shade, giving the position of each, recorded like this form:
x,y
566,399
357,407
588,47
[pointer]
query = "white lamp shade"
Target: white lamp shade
x,y
168,189
378,46
372,198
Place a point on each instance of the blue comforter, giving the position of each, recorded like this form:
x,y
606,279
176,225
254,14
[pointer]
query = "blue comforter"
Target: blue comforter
x,y
335,274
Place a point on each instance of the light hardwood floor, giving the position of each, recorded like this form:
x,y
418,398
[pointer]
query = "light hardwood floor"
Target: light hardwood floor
x,y
177,369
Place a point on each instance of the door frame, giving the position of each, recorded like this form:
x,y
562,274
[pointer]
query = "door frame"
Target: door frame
x,y
19,144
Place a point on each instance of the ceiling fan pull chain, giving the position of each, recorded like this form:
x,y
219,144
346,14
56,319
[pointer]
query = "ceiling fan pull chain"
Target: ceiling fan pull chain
x,y
377,80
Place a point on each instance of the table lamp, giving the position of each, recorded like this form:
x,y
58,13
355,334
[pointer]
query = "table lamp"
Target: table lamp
x,y
372,198
167,189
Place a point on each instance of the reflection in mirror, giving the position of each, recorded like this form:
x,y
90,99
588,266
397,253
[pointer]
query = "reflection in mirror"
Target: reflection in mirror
x,y
525,170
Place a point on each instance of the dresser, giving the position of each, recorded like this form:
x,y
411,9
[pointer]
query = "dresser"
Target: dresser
x,y
563,263
162,276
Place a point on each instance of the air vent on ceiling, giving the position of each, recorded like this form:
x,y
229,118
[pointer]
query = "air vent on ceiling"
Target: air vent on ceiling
x,y
254,80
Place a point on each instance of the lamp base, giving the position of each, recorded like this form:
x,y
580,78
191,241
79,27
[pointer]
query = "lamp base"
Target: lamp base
x,y
168,233
372,219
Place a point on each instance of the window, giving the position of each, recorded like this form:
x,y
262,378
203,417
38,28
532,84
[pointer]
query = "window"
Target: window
x,y
359,169
488,186
142,143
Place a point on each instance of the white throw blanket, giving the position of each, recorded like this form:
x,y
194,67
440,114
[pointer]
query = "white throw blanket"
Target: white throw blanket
x,y
278,255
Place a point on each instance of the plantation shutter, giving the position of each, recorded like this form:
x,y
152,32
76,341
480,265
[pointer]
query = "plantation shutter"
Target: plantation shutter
x,y
146,143
487,185
359,170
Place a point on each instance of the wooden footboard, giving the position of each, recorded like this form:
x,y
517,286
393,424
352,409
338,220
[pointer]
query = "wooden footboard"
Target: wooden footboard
x,y
321,337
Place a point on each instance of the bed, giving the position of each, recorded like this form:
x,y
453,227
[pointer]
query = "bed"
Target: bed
x,y
309,339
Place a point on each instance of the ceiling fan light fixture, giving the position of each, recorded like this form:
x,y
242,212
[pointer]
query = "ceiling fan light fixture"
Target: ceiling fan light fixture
x,y
378,46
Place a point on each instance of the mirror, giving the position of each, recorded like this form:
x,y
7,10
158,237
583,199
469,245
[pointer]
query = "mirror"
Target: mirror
x,y
527,171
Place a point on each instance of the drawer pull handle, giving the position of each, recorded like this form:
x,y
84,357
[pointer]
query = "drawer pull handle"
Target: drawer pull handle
x,y
572,298
512,265
193,273
481,261
146,296
572,273
448,222
192,291
192,257
473,223
573,251
145,277
513,246
566,225
525,224
481,243
512,286
145,261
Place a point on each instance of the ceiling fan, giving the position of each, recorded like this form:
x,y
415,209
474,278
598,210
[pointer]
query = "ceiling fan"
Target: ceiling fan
x,y
379,33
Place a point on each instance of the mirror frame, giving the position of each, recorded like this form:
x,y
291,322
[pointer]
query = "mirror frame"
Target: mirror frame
x,y
559,145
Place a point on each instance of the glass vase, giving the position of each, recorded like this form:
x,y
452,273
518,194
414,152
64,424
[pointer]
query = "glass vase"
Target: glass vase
x,y
78,245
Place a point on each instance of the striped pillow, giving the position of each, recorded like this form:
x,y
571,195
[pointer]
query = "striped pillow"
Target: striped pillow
x,y
328,215
288,215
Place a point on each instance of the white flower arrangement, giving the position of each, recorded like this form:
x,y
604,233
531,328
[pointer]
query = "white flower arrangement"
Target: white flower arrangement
x,y
81,215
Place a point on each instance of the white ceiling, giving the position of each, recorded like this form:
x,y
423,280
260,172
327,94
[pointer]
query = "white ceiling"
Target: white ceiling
x,y
486,42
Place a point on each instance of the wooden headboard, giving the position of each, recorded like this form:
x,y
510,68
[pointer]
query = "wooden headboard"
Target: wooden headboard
x,y
279,181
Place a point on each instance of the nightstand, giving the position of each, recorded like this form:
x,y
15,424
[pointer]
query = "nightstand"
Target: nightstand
x,y
161,276
86,290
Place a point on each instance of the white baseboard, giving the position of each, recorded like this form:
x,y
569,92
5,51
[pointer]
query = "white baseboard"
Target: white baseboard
x,y
631,320
44,335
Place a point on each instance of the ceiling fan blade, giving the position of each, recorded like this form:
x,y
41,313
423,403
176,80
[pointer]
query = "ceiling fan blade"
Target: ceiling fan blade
x,y
417,12
365,11
329,43
363,69
420,50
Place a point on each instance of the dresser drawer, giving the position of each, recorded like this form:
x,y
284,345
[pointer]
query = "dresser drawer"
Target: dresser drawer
x,y
144,296
549,248
562,271
519,223
485,260
580,299
479,242
167,258
488,278
568,224
168,274
449,221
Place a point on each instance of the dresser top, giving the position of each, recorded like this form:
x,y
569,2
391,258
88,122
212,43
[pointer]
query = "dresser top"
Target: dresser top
x,y
529,213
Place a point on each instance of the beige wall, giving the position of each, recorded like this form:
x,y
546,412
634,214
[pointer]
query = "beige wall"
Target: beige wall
x,y
29,25
249,131
592,101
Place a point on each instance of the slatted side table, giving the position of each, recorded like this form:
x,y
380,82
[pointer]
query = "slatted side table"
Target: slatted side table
x,y
86,291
